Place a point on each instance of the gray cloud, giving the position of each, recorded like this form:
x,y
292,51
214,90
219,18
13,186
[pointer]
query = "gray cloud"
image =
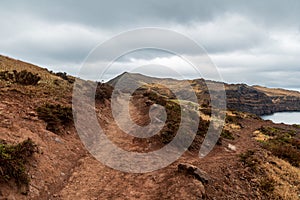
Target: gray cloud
x,y
116,13
254,42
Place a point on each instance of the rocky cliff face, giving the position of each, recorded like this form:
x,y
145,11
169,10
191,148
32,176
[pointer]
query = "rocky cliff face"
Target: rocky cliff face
x,y
246,99
288,103
261,101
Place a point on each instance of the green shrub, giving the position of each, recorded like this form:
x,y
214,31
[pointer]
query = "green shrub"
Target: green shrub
x,y
270,131
103,91
55,116
13,160
156,98
167,136
206,111
233,119
267,185
286,152
23,77
296,125
64,76
203,127
249,159
283,144
227,134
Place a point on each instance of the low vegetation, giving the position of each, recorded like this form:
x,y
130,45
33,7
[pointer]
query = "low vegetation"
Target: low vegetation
x,y
267,185
254,162
233,119
64,76
227,134
172,123
249,160
283,144
55,116
272,176
103,91
13,160
23,77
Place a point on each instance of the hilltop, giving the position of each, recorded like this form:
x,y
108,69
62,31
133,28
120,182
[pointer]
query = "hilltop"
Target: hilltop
x,y
253,159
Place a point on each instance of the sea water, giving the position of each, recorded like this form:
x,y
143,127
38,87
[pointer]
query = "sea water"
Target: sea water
x,y
284,117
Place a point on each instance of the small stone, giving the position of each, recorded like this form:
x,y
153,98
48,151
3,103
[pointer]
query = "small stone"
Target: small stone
x,y
24,189
194,171
32,113
56,139
231,147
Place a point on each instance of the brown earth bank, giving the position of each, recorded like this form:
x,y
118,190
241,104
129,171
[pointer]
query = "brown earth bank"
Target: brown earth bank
x,y
246,163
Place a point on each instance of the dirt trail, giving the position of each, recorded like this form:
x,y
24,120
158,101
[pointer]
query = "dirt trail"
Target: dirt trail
x,y
92,180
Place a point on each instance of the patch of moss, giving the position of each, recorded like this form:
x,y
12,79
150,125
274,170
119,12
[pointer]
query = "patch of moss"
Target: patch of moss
x,y
13,160
55,116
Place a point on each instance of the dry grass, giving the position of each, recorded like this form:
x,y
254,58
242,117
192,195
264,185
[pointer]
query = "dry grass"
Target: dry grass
x,y
50,84
277,178
286,177
277,91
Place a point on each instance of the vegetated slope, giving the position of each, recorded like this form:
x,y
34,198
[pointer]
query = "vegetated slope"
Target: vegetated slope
x,y
242,166
253,99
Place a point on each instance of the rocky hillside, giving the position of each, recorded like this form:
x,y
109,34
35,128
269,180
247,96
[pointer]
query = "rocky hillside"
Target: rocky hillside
x,y
42,157
253,99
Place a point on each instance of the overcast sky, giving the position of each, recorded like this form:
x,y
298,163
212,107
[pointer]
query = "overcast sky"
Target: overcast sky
x,y
255,42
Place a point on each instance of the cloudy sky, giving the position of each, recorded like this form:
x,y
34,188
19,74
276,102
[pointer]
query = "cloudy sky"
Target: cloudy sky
x,y
255,42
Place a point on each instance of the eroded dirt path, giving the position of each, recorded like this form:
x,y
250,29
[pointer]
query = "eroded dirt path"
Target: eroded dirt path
x,y
91,179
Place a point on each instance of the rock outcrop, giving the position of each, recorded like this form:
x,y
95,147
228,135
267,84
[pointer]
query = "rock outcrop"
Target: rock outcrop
x,y
194,171
261,101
